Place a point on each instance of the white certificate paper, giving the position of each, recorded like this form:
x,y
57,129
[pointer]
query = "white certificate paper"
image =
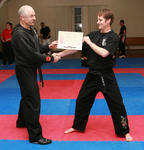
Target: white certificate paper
x,y
70,40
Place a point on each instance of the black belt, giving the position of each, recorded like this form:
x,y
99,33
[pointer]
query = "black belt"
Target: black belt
x,y
99,74
41,76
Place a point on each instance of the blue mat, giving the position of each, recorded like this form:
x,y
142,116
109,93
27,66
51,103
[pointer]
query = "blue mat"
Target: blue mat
x,y
67,145
67,106
76,63
130,63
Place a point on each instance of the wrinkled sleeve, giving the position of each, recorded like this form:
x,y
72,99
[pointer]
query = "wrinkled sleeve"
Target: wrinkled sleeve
x,y
24,49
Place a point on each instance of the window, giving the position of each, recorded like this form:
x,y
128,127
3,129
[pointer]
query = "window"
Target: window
x,y
78,19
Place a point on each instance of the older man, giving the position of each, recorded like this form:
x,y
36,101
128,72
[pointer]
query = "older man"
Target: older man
x,y
29,57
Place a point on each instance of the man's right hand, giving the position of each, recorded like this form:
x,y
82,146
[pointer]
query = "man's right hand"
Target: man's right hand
x,y
56,57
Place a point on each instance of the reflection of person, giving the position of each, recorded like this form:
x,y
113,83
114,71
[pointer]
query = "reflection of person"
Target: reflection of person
x,y
122,38
99,48
6,41
45,34
28,59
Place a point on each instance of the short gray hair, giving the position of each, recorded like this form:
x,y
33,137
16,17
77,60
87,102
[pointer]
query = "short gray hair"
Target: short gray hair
x,y
23,10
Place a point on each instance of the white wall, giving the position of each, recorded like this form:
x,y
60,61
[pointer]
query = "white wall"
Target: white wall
x,y
58,14
132,11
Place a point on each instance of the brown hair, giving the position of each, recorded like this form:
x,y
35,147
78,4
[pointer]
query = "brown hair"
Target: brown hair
x,y
107,14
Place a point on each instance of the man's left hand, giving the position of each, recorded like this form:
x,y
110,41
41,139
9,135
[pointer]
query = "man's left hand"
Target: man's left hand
x,y
53,45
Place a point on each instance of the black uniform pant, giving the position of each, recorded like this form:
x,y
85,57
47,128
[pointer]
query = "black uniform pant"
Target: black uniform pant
x,y
107,84
29,110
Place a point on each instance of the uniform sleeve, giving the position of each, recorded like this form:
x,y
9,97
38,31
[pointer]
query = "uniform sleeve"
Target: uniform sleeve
x,y
86,50
24,49
44,48
85,45
112,44
91,35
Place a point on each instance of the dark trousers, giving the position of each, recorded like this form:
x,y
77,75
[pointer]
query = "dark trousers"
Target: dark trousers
x,y
122,48
107,84
29,110
8,55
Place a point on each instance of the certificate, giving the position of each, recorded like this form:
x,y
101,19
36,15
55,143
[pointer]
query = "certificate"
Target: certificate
x,y
70,40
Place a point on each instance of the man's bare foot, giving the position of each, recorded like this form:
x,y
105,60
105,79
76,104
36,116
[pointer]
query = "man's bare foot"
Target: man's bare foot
x,y
70,130
128,137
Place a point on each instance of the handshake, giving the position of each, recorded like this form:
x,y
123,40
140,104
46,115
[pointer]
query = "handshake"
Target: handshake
x,y
57,57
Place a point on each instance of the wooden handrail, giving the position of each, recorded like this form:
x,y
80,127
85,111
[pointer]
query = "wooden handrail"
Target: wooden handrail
x,y
131,41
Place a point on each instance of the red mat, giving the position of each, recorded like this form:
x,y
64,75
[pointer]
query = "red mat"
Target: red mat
x,y
5,74
62,89
129,70
75,71
99,128
64,71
